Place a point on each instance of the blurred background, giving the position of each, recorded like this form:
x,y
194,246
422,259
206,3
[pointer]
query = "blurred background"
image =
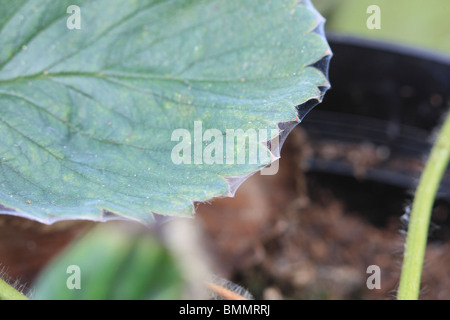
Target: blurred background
x,y
418,23
348,172
340,200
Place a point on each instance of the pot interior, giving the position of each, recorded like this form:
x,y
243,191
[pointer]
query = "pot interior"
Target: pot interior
x,y
377,121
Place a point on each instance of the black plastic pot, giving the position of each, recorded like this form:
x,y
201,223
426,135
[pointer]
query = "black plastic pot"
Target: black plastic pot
x,y
386,101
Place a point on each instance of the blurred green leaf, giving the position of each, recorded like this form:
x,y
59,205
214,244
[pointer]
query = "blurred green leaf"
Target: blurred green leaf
x,y
114,263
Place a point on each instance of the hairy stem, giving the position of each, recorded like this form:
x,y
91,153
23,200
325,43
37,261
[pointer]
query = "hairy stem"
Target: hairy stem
x,y
224,292
9,293
416,239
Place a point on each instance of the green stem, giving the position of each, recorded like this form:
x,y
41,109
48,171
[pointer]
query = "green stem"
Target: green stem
x,y
9,293
416,239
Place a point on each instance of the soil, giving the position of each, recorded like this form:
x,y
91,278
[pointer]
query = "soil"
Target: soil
x,y
27,246
293,235
306,235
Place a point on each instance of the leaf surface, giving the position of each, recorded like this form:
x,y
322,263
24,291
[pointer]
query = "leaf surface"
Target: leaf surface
x,y
87,116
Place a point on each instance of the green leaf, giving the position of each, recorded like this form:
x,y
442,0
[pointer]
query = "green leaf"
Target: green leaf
x,y
112,263
87,115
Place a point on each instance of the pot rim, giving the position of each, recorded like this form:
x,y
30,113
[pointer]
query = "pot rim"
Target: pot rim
x,y
388,46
